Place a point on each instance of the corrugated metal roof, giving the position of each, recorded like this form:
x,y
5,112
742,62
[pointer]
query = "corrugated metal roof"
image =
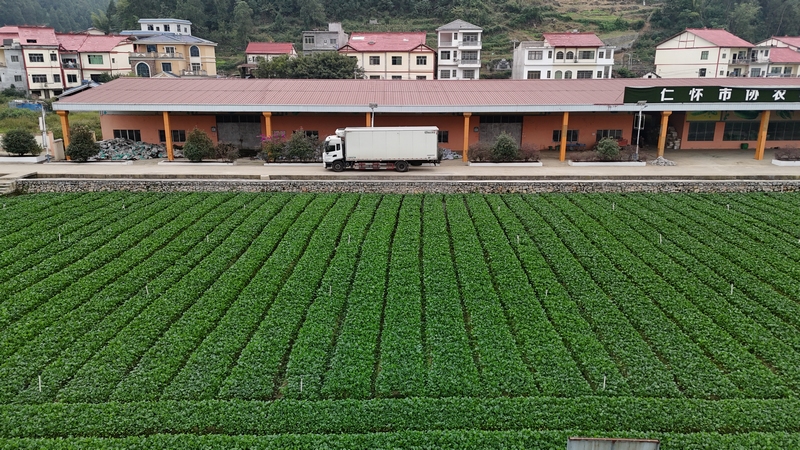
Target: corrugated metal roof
x,y
270,48
784,55
85,43
37,36
794,41
720,38
386,42
573,40
281,95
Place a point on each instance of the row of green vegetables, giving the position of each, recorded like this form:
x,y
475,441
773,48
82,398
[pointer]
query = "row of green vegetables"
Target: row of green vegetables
x,y
234,417
523,439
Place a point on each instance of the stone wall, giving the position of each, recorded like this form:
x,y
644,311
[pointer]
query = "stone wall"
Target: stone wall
x,y
33,185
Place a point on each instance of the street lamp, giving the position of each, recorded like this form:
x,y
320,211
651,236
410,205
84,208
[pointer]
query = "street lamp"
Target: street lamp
x,y
641,104
372,107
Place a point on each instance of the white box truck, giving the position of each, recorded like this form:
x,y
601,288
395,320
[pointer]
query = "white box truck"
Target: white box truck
x,y
381,147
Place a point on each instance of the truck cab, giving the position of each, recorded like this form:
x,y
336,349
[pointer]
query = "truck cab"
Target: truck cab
x,y
333,151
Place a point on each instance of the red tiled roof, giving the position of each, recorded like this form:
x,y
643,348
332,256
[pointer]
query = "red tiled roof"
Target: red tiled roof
x,y
41,36
385,42
794,41
720,38
270,48
573,40
238,95
86,43
784,55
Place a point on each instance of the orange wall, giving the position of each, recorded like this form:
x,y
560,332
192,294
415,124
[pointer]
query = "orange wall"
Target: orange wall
x,y
150,124
538,130
719,144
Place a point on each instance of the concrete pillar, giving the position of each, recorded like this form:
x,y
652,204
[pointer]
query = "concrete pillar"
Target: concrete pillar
x,y
564,126
762,135
267,122
168,136
369,120
662,135
64,116
465,153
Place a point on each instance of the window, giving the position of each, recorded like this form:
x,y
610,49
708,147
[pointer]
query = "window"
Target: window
x,y
534,55
169,50
704,55
599,74
166,27
721,72
397,60
151,48
601,55
185,30
572,135
333,41
445,54
445,74
724,56
701,72
39,78
787,70
150,28
397,77
534,74
374,77
568,75
701,131
53,57
766,53
422,60
313,134
72,78
755,72
586,54
783,131
583,74
36,57
549,54
740,131
194,51
558,74
443,136
18,78
469,74
570,55
56,78
166,67
613,134
14,58
133,135
422,77
308,40
775,70
113,60
471,38
374,60
196,67
560,55
177,136
95,77
95,59
469,56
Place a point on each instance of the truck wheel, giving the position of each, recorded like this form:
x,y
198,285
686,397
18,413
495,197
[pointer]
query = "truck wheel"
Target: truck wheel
x,y
337,166
401,166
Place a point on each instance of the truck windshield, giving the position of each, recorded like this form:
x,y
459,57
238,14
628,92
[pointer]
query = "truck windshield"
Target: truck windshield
x,y
330,147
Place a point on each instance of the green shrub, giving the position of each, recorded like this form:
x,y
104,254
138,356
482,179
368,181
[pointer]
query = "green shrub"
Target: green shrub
x,y
608,149
505,148
226,152
272,148
480,151
198,146
20,142
81,143
301,146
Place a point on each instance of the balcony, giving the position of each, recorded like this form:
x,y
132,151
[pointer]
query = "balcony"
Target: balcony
x,y
195,73
70,65
469,63
469,44
156,55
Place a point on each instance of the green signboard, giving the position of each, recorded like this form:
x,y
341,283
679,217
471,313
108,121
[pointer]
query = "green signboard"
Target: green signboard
x,y
710,94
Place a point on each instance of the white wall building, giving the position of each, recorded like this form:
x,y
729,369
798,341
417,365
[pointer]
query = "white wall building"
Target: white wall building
x,y
707,53
459,50
563,56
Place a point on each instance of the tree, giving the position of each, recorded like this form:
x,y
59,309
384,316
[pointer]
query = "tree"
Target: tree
x,y
312,12
743,20
81,145
243,18
19,142
111,14
101,22
198,146
323,65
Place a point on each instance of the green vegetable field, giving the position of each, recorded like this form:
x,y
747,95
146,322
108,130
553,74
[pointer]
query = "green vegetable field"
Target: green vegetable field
x,y
225,320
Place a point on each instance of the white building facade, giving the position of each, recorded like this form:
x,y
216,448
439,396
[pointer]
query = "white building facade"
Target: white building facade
x,y
563,56
708,53
459,51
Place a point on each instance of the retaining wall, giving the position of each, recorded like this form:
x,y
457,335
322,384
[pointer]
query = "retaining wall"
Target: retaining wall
x,y
33,185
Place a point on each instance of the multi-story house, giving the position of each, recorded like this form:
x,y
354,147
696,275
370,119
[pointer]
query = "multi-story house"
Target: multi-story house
x,y
563,56
392,56
89,56
707,53
258,51
459,50
36,49
166,47
329,40
782,54
12,67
